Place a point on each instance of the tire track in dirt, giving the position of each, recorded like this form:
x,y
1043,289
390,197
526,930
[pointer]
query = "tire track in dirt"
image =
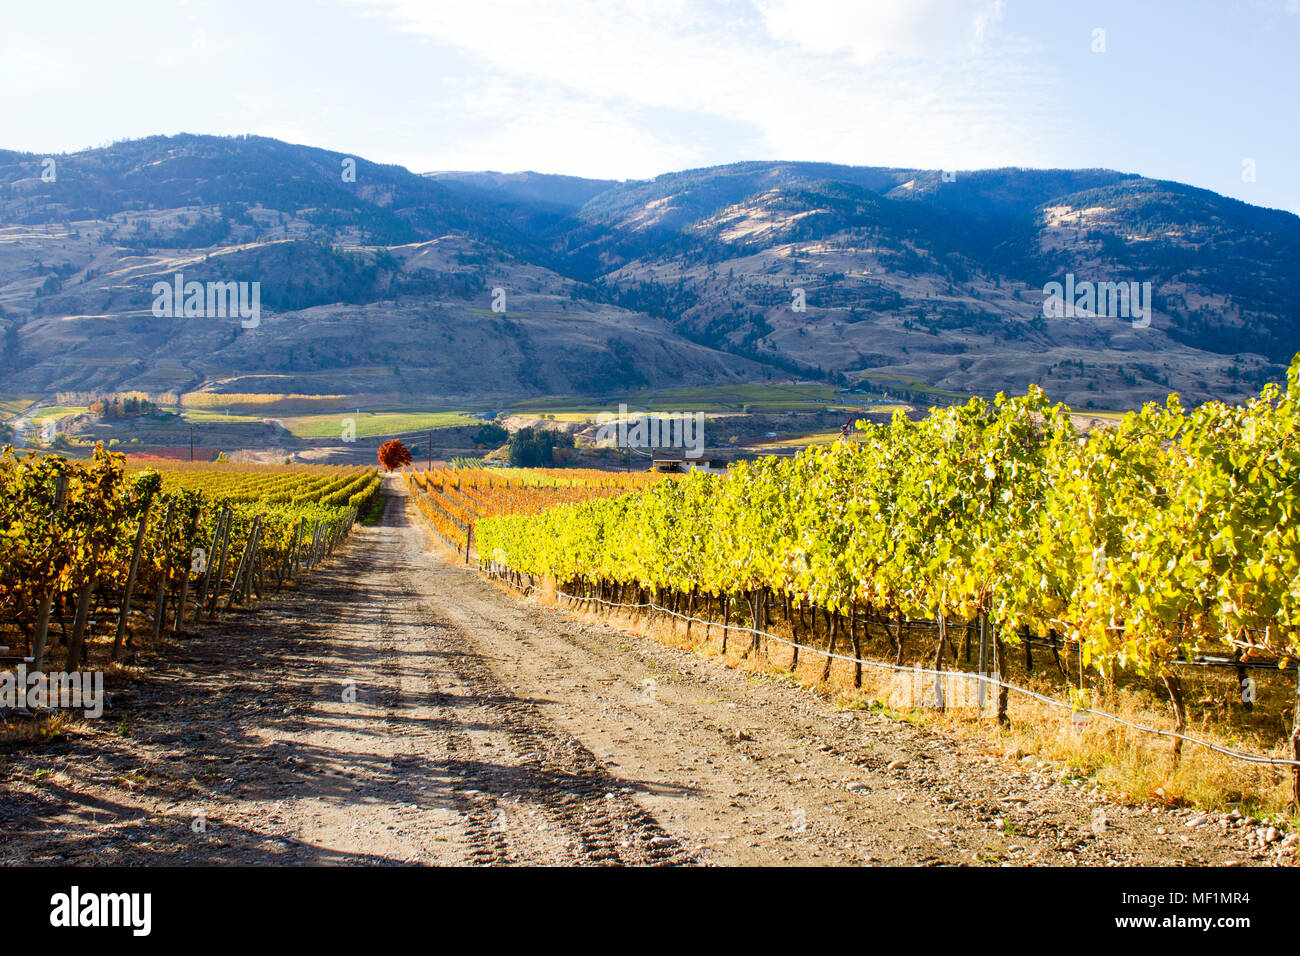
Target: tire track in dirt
x,y
561,778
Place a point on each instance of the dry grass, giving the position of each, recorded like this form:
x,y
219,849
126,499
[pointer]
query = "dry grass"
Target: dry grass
x,y
39,729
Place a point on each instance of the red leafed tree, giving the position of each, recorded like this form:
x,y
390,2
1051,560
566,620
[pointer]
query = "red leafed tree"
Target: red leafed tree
x,y
393,454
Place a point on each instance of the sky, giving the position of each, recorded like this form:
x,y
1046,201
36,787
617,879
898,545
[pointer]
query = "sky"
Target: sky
x,y
1206,93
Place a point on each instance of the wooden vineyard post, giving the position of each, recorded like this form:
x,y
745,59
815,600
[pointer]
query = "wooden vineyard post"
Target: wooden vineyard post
x,y
1175,689
300,559
130,578
178,616
938,660
898,637
42,630
857,644
832,633
255,544
255,566
1000,672
281,571
238,582
73,659
47,602
211,557
219,562
723,599
309,558
796,637
297,547
1246,705
160,592
981,622
259,568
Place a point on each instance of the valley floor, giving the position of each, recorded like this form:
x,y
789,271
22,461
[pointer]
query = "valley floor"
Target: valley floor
x,y
489,729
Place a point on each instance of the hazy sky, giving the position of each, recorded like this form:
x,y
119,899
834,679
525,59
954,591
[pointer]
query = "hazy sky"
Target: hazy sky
x,y
621,89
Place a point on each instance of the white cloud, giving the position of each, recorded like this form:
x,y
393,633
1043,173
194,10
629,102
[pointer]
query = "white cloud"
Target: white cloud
x,y
871,30
924,82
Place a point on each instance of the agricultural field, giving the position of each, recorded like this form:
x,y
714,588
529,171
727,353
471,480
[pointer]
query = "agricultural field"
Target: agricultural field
x,y
49,413
11,405
720,399
202,416
374,423
454,500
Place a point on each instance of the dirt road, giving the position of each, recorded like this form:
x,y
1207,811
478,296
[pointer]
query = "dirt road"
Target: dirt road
x,y
400,709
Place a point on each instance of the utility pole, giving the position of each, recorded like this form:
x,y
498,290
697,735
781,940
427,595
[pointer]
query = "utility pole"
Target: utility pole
x,y
431,450
191,443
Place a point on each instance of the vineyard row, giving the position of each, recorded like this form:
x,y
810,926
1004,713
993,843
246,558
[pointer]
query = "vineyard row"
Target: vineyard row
x,y
87,547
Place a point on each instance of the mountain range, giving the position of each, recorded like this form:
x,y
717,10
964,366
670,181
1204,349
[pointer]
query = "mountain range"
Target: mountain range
x,y
450,287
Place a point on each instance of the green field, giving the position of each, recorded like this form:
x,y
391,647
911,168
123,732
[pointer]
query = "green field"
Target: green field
x,y
11,405
912,384
818,438
215,415
719,399
561,416
801,441
881,409
370,424
43,415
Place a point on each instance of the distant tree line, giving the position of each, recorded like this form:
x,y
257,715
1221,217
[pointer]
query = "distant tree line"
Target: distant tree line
x,y
116,408
533,447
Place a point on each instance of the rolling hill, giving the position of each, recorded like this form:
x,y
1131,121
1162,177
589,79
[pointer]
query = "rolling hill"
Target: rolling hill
x,y
384,282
